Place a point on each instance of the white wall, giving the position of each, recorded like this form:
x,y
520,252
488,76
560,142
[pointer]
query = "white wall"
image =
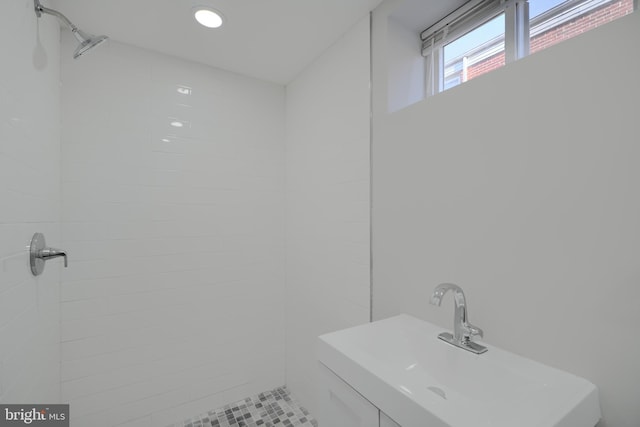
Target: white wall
x,y
522,187
327,213
406,66
173,303
29,203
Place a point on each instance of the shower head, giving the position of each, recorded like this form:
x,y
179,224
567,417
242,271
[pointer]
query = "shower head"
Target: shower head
x,y
87,41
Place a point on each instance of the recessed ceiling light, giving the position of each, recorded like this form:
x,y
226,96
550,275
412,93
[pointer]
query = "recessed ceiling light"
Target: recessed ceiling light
x,y
184,90
207,16
177,124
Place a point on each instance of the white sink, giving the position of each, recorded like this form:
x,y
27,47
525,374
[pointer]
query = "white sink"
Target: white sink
x,y
401,366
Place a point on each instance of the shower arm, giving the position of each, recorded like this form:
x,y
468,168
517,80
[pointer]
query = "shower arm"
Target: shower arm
x,y
40,9
87,41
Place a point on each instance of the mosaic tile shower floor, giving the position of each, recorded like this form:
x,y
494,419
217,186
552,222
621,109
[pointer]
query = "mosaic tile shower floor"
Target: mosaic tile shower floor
x,y
275,408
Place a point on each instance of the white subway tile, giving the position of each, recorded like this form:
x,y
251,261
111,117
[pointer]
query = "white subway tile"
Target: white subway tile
x,y
176,245
327,204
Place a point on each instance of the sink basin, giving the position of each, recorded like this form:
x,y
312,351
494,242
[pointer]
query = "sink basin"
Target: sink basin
x,y
401,366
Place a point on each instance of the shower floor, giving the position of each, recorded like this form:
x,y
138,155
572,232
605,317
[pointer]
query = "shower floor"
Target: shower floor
x,y
275,408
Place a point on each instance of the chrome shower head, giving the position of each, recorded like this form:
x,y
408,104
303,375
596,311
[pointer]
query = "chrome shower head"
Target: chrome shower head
x,y
87,41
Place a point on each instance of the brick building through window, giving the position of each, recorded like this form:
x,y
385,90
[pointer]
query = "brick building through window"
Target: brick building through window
x,y
546,29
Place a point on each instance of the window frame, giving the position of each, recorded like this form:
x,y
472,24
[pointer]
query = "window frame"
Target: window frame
x,y
476,13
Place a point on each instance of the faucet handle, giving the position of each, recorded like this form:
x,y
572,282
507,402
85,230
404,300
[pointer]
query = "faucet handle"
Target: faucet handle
x,y
474,331
50,253
39,253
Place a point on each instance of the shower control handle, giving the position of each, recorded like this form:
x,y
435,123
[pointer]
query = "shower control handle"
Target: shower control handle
x,y
39,253
50,253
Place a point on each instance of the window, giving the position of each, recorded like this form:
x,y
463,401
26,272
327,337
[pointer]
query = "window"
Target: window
x,y
553,21
483,35
475,53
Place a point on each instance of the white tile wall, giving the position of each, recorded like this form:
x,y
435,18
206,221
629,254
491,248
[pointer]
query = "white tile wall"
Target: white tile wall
x,y
327,203
174,300
29,203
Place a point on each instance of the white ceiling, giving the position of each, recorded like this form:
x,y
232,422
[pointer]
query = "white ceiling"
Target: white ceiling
x,y
271,40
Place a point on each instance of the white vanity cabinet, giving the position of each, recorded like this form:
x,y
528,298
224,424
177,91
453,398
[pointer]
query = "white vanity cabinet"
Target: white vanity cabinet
x,y
400,367
342,406
385,421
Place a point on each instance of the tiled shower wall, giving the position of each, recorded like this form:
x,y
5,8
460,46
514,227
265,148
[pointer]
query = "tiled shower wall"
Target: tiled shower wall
x,y
29,203
173,302
327,203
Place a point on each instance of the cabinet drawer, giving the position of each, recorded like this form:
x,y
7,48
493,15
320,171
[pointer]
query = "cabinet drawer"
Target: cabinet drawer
x,y
342,406
385,421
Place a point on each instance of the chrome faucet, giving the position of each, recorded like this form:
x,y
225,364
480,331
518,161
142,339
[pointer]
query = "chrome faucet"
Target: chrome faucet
x,y
463,331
